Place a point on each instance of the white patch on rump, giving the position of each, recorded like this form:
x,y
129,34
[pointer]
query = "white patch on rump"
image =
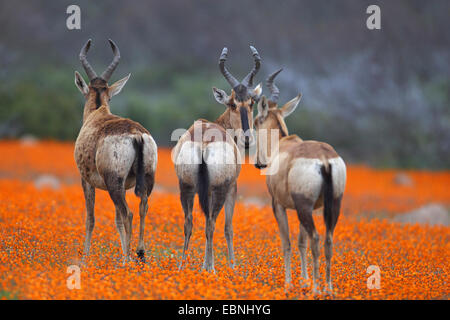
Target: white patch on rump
x,y
221,162
187,161
150,152
116,152
305,177
338,175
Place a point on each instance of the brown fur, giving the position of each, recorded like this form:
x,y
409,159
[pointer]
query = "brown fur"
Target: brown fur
x,y
114,125
231,118
273,120
106,156
223,194
304,172
309,149
206,125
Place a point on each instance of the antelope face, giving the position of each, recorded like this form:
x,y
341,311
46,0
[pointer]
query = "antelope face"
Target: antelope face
x,y
266,122
240,112
240,102
98,92
269,123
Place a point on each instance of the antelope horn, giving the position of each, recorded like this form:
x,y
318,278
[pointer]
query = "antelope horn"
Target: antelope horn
x,y
108,72
231,80
87,67
248,80
274,92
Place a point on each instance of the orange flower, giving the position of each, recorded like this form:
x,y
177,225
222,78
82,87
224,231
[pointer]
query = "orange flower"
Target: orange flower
x,y
42,232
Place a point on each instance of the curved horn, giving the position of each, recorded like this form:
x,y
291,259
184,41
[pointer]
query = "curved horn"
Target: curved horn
x,y
274,92
231,80
248,80
108,72
87,67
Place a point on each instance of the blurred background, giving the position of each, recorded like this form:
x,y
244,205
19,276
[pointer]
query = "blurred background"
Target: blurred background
x,y
380,97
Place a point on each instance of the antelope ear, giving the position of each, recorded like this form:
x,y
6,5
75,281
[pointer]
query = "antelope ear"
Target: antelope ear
x,y
221,96
263,107
118,85
256,94
81,85
290,106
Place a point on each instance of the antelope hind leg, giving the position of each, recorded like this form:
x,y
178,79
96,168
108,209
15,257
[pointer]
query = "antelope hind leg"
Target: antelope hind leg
x,y
187,194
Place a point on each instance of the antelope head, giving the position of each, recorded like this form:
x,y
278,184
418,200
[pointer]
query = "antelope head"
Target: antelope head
x,y
269,122
98,92
240,101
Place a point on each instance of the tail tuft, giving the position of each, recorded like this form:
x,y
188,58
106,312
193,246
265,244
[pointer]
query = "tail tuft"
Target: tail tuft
x,y
203,187
327,194
140,188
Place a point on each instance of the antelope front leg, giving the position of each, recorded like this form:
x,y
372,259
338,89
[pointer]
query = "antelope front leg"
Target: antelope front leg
x,y
281,217
129,230
229,209
89,197
143,207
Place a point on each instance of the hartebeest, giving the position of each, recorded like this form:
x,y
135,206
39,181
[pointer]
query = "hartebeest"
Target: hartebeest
x,y
207,160
112,153
302,175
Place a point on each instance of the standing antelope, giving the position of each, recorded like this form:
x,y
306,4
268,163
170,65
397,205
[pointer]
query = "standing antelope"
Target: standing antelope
x,y
112,153
302,175
207,160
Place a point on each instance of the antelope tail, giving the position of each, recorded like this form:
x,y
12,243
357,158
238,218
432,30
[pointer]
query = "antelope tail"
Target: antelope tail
x,y
327,192
203,187
140,188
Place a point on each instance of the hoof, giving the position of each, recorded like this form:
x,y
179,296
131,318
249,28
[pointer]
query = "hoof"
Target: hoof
x,y
329,290
316,292
83,261
288,286
209,269
304,284
141,255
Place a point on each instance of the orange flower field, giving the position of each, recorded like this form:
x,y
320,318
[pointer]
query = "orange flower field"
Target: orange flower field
x,y
42,232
